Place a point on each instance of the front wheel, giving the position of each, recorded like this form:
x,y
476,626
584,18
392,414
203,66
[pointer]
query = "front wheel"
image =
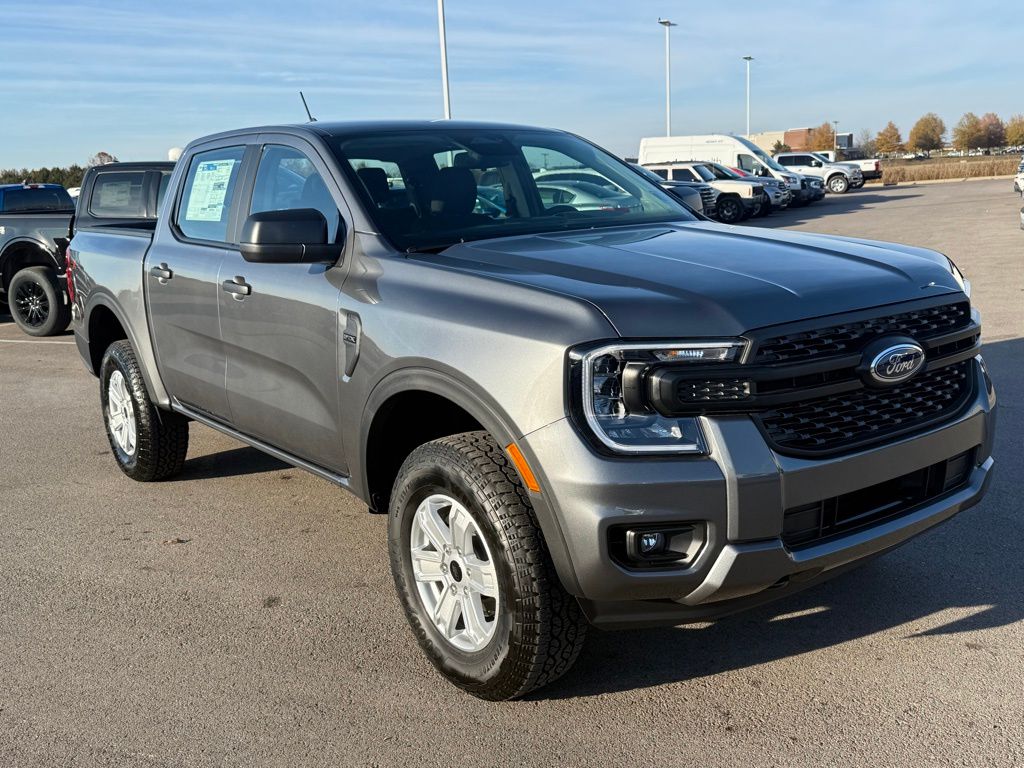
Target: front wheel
x,y
730,210
838,184
37,302
148,443
473,572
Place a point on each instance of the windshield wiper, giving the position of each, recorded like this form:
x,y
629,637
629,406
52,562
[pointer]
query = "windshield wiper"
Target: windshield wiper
x,y
432,248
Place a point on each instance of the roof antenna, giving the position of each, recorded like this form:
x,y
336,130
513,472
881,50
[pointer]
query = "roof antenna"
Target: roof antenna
x,y
308,113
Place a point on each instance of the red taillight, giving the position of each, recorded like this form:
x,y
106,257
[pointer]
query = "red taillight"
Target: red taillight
x,y
69,276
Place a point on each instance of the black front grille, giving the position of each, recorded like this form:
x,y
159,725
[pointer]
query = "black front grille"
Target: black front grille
x,y
710,390
851,419
844,338
813,523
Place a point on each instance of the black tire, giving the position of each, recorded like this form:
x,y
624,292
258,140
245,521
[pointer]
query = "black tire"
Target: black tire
x,y
838,184
38,303
539,628
730,210
161,436
766,208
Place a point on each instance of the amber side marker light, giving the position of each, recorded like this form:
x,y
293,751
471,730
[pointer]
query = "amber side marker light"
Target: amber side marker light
x,y
524,469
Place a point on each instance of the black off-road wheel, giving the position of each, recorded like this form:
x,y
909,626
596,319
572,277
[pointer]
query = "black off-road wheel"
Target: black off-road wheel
x,y
473,572
730,210
148,443
38,303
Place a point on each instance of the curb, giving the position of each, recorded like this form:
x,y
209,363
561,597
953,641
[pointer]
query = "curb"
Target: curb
x,y
942,181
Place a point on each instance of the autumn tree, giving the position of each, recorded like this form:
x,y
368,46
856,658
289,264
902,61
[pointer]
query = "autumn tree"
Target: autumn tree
x,y
1015,131
822,137
780,146
993,131
968,133
927,133
889,140
101,158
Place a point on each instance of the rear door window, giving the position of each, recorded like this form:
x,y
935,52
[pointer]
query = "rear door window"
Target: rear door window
x,y
210,186
119,195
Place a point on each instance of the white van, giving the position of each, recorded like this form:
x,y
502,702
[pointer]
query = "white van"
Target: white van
x,y
732,151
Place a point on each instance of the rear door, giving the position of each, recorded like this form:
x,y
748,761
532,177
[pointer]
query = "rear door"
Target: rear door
x,y
182,268
281,335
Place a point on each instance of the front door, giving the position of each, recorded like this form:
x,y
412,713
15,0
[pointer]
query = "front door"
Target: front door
x,y
181,271
279,324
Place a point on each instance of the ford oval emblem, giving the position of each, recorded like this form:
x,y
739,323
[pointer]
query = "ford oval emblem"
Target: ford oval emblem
x,y
896,363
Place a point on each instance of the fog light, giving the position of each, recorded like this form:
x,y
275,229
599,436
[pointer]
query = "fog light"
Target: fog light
x,y
649,542
673,545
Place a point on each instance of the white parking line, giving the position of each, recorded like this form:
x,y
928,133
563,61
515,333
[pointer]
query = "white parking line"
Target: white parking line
x,y
32,341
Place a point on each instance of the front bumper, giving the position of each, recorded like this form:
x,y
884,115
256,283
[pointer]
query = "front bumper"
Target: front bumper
x,y
740,493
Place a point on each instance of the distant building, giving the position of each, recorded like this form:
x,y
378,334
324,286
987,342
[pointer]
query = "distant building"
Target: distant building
x,y
797,139
766,139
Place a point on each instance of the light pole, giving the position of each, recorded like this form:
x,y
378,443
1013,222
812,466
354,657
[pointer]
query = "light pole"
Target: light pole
x,y
668,74
835,138
444,60
748,59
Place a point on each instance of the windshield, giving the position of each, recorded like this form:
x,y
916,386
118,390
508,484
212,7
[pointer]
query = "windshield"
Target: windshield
x,y
704,172
822,158
428,189
721,172
768,161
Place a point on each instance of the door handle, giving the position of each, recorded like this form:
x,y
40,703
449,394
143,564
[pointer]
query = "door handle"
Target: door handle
x,y
238,288
162,273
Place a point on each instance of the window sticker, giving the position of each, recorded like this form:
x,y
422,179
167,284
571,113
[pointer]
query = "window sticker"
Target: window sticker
x,y
209,188
115,194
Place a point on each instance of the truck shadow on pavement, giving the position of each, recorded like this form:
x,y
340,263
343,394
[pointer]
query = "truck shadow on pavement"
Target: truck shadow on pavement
x,y
830,206
230,463
961,578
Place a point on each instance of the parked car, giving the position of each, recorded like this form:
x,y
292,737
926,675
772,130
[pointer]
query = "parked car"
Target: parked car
x,y
870,167
837,177
33,219
1018,180
584,196
737,198
730,151
777,193
699,197
627,417
1022,218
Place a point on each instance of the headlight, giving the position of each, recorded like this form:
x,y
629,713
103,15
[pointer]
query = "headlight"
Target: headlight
x,y
610,380
963,282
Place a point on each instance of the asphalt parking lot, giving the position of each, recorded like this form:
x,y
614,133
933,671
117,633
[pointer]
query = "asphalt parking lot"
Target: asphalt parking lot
x,y
243,614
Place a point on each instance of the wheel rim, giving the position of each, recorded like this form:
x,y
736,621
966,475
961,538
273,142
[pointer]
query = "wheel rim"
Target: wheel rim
x,y
454,572
730,212
837,185
121,414
31,304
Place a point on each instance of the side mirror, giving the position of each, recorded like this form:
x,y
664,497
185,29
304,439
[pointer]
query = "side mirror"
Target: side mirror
x,y
295,236
815,163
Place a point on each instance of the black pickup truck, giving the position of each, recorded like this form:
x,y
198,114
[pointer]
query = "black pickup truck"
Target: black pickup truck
x,y
38,220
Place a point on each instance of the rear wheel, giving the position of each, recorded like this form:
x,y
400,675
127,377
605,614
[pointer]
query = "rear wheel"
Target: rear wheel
x,y
38,303
838,184
148,443
730,210
473,572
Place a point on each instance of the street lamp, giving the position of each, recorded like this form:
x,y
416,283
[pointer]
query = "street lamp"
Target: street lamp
x,y
748,59
835,138
668,75
444,60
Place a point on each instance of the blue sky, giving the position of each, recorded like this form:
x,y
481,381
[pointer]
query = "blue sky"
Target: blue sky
x,y
135,78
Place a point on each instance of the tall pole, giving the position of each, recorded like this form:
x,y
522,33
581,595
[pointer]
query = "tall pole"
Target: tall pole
x,y
748,59
668,75
444,60
835,138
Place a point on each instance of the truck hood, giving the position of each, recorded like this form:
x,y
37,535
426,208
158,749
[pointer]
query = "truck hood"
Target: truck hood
x,y
704,279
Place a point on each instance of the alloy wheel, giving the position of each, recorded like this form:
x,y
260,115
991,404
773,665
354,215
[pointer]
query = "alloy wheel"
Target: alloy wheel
x,y
121,414
455,574
31,304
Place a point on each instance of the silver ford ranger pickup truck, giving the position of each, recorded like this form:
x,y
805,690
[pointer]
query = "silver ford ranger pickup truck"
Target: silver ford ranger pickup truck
x,y
610,416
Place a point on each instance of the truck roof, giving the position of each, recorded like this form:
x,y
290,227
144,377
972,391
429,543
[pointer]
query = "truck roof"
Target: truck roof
x,y
360,127
154,165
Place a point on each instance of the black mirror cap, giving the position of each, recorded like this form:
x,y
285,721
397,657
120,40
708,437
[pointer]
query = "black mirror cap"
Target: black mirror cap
x,y
294,236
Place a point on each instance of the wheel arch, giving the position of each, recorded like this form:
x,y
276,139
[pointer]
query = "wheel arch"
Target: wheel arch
x,y
104,323
390,402
22,252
